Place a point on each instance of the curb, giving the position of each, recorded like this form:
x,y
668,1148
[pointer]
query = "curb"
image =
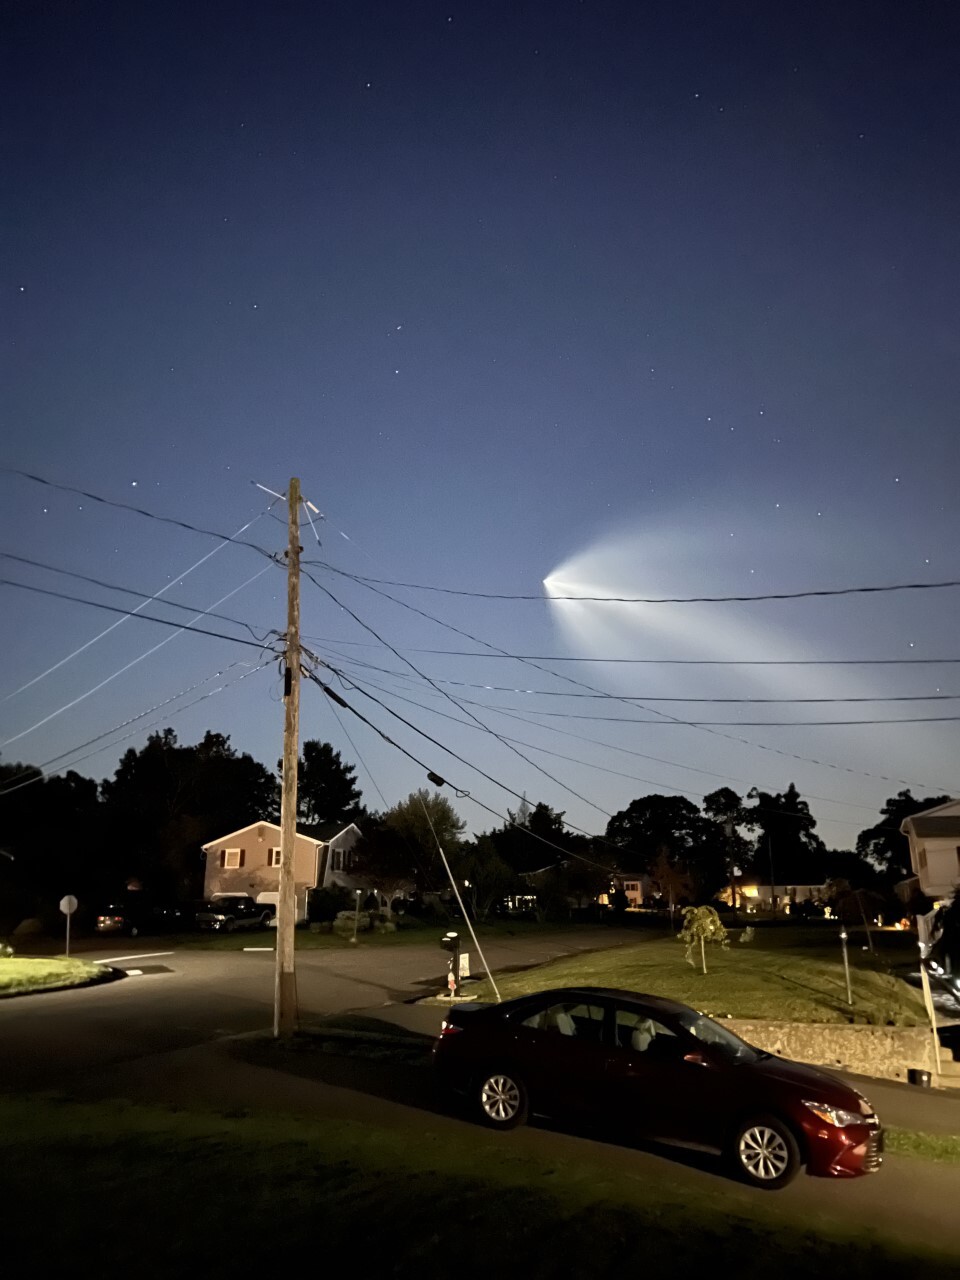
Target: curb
x,y
108,974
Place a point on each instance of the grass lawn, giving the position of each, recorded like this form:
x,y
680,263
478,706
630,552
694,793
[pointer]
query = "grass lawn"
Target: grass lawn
x,y
943,1148
23,973
768,978
159,1193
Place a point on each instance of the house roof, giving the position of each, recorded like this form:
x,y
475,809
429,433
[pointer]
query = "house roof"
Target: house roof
x,y
942,820
249,827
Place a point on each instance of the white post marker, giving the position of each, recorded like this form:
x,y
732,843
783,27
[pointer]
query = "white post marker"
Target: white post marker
x,y
68,905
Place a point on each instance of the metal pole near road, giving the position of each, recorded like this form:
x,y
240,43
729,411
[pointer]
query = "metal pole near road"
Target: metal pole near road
x,y
846,964
285,986
356,914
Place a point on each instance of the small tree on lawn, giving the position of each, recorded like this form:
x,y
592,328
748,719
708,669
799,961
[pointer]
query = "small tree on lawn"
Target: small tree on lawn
x,y
700,926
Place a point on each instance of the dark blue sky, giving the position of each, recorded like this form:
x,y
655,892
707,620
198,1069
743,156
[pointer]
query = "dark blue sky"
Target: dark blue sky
x,y
660,298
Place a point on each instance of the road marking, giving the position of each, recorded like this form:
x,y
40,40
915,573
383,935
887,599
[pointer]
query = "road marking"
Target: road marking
x,y
144,955
260,949
135,973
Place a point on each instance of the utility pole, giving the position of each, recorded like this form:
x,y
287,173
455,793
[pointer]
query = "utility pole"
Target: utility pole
x,y
285,989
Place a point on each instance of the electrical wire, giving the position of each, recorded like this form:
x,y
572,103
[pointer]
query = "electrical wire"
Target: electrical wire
x,y
61,768
140,511
583,799
656,662
460,792
134,613
130,591
742,599
718,733
180,628
353,682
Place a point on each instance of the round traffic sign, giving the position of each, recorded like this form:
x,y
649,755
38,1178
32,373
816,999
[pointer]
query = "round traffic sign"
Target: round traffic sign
x,y
68,904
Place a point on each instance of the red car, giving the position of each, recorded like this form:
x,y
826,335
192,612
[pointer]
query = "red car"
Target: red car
x,y
661,1071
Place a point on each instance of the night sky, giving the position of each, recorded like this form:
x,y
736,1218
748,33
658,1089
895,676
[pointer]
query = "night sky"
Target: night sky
x,y
646,299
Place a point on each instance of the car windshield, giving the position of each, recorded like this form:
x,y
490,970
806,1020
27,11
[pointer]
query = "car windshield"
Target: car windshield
x,y
722,1041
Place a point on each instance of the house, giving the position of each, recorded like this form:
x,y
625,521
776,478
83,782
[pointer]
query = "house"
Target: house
x,y
753,895
636,886
248,861
934,837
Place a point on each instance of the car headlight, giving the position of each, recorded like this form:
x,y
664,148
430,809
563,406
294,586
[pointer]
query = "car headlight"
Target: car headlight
x,y
835,1115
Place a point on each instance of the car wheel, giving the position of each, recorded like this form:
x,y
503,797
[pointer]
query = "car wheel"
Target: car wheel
x,y
134,931
229,925
501,1099
265,920
765,1153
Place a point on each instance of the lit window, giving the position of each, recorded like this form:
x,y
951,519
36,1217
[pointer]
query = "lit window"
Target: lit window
x,y
231,858
273,857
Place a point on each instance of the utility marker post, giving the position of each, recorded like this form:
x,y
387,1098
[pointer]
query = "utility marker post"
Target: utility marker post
x,y
285,989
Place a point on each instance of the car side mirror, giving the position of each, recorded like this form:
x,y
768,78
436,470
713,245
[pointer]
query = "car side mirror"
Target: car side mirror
x,y
698,1059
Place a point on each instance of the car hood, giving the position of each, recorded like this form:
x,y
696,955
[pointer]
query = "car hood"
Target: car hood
x,y
814,1082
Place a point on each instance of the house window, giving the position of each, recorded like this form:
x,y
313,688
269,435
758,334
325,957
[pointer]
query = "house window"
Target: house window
x,y
273,857
231,859
922,858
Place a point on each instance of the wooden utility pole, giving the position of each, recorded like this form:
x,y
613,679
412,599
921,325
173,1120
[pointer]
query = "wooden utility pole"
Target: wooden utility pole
x,y
285,990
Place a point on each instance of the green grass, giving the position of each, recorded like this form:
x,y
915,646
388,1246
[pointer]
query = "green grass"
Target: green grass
x,y
21,973
161,1193
943,1148
768,978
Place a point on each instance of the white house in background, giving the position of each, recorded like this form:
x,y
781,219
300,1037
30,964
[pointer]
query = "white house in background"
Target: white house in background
x,y
934,837
248,861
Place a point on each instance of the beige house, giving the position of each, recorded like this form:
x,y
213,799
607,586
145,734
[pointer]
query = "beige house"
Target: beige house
x,y
934,837
248,861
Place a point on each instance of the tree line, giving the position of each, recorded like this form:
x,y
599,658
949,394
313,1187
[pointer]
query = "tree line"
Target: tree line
x,y
144,827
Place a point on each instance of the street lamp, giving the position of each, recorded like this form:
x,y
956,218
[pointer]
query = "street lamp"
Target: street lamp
x,y
356,915
846,963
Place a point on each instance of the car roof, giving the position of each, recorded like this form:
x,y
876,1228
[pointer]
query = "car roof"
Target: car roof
x,y
639,998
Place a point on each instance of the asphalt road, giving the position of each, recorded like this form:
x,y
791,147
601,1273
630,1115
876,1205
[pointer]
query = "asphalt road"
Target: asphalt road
x,y
167,1035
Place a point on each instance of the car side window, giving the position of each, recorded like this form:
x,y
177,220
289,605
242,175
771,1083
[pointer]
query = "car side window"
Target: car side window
x,y
637,1031
570,1018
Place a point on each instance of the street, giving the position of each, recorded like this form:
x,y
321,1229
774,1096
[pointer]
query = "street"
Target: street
x,y
168,1034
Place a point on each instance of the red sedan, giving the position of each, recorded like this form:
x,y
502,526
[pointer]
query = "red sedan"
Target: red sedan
x,y
662,1071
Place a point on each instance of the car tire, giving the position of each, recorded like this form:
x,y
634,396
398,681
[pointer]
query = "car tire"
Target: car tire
x,y
265,920
764,1153
134,931
501,1099
229,925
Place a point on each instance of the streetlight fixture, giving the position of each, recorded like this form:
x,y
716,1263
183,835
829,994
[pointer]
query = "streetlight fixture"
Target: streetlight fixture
x,y
846,963
356,915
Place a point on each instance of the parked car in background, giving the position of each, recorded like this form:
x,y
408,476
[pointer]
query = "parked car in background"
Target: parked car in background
x,y
230,911
656,1069
135,916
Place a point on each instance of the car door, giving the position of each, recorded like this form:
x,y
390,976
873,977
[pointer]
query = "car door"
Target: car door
x,y
661,1082
560,1047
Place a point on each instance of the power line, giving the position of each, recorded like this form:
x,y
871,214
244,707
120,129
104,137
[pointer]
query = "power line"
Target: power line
x,y
449,696
39,776
130,591
459,792
353,681
655,662
742,599
146,617
630,697
717,733
179,629
140,511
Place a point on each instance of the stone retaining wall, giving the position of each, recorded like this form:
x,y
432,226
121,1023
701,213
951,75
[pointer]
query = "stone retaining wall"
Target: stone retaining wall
x,y
884,1052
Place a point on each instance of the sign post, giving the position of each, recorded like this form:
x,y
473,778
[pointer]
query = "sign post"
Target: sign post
x,y
68,906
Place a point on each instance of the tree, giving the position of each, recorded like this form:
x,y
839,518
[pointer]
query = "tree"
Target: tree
x,y
165,800
387,858
326,787
534,838
788,842
725,808
700,926
658,831
424,820
884,845
485,877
